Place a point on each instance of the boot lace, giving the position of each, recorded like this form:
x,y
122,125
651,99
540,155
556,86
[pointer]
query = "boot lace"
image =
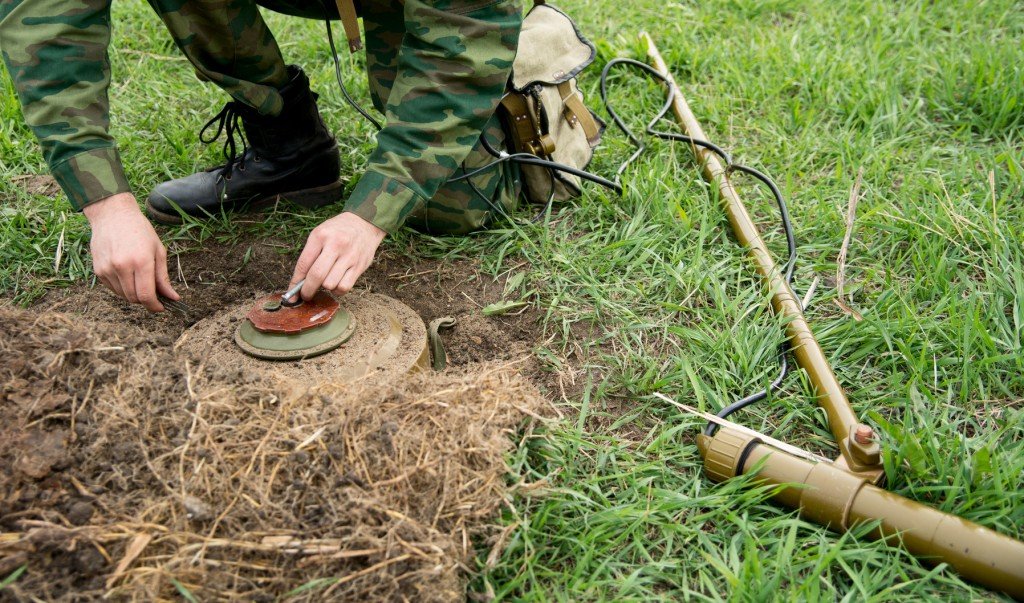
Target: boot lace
x,y
228,122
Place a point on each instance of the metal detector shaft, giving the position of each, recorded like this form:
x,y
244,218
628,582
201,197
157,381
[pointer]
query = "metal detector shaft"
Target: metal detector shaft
x,y
838,495
809,355
839,500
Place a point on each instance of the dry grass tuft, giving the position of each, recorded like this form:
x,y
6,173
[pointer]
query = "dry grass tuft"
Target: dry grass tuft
x,y
137,474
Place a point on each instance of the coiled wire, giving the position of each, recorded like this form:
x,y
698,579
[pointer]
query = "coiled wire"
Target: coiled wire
x,y
616,185
730,167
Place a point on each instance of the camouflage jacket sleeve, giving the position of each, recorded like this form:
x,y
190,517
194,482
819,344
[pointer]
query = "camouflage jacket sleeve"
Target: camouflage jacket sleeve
x,y
455,58
56,52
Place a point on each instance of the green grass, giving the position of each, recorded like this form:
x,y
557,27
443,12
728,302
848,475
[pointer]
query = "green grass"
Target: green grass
x,y
649,292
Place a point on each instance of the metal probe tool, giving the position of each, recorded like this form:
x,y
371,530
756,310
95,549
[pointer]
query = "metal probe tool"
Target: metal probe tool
x,y
287,295
177,307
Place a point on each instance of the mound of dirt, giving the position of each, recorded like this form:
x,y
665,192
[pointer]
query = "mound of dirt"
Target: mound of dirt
x,y
211,341
133,472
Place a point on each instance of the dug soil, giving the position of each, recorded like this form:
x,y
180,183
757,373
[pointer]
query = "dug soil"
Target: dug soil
x,y
219,278
134,471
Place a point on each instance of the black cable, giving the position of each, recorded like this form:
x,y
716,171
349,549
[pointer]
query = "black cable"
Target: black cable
x,y
337,73
730,167
486,144
641,147
489,200
530,159
551,197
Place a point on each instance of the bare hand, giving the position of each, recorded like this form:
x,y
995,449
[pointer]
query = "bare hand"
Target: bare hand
x,y
127,254
336,254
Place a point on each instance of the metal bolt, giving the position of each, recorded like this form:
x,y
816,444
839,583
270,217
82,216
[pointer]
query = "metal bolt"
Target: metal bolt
x,y
863,434
287,295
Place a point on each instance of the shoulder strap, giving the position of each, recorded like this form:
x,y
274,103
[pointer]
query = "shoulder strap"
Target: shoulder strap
x,y
350,21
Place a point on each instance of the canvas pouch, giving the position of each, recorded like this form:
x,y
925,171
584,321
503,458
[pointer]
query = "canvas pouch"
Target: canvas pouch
x,y
543,111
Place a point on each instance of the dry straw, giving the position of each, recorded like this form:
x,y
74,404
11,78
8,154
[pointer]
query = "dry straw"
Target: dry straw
x,y
180,477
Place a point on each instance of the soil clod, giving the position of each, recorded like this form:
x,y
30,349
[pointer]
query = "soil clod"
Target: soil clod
x,y
40,452
80,513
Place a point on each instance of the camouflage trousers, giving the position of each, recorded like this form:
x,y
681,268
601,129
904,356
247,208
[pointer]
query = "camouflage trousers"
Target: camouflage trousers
x,y
229,44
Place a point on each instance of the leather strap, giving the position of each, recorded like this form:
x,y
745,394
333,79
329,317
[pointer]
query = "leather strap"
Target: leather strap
x,y
350,21
524,132
575,112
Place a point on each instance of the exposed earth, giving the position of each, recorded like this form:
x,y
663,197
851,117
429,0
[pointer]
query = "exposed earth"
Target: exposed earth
x,y
220,278
134,471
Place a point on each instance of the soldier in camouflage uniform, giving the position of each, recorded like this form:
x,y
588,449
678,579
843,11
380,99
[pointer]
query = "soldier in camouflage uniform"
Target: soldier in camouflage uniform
x,y
437,69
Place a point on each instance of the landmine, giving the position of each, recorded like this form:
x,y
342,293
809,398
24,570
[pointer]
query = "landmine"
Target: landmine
x,y
273,330
368,336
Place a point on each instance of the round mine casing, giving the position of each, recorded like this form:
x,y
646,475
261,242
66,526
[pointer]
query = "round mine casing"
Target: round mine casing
x,y
370,336
298,345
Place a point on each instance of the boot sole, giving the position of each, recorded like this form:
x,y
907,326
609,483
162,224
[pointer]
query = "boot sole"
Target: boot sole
x,y
310,198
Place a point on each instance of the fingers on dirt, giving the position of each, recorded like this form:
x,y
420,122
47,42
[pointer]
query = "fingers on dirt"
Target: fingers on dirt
x,y
126,281
112,284
145,287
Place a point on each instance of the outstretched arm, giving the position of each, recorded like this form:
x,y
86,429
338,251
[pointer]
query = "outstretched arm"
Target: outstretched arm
x,y
56,53
455,59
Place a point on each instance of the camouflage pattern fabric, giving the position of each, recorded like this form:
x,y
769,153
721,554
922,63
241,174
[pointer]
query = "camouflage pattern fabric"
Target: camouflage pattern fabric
x,y
230,45
56,52
437,69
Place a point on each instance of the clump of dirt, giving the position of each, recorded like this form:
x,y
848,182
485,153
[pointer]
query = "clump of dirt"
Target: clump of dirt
x,y
132,472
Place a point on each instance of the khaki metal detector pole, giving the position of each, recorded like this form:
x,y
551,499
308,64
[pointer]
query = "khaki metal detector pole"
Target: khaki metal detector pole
x,y
837,495
841,501
862,456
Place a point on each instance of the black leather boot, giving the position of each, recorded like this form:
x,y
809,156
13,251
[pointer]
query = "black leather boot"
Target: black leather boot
x,y
291,156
